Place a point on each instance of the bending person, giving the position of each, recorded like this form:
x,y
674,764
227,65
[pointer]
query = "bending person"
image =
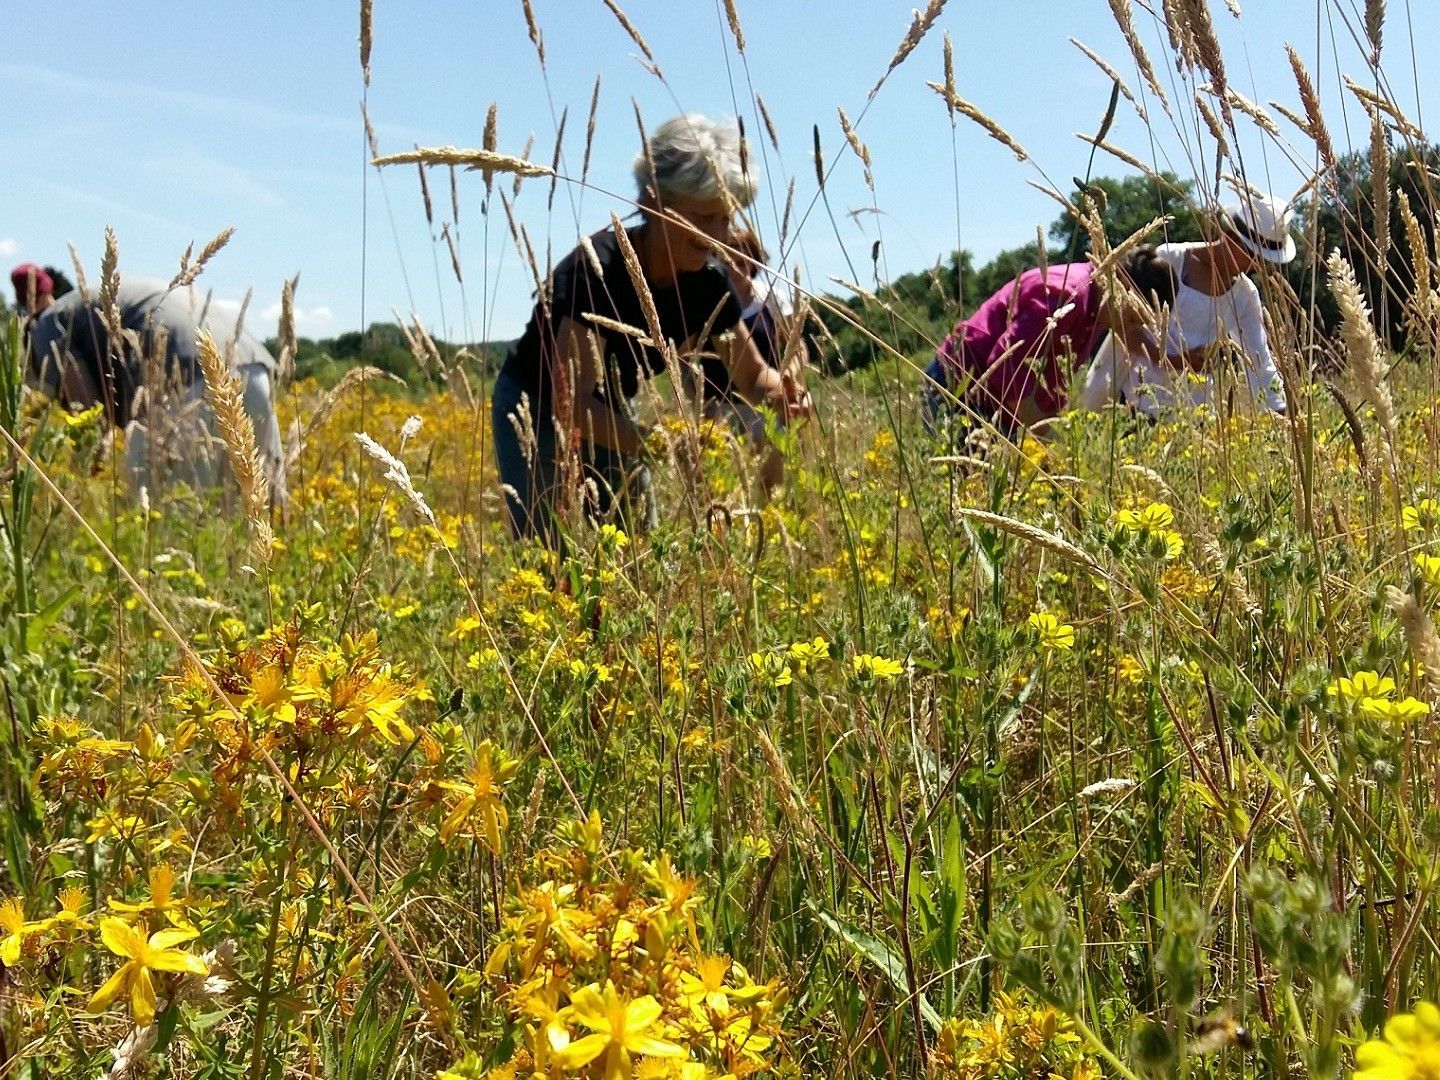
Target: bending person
x,y
149,383
568,387
1010,363
1216,306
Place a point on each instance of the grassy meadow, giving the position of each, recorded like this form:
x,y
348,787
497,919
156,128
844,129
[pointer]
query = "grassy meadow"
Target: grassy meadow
x,y
1110,754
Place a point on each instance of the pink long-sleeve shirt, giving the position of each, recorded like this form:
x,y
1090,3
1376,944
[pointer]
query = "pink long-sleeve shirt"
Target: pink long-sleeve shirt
x,y
1026,341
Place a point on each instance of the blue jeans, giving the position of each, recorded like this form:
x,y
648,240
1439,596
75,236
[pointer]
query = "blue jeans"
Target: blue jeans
x,y
615,484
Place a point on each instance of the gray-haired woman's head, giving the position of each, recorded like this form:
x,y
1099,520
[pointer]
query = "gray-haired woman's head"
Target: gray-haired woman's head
x,y
694,157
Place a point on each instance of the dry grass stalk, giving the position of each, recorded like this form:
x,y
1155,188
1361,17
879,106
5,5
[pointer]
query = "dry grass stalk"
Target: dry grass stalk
x,y
286,330
861,150
425,194
1374,102
454,197
367,36
1239,101
397,474
536,38
489,143
625,22
190,271
1115,152
1125,19
637,278
920,23
765,118
972,112
81,284
524,156
110,287
1375,28
1363,349
1033,535
619,327
224,394
1105,66
234,342
789,209
1380,189
1217,130
1199,47
733,18
1419,634
555,157
297,437
590,129
1315,125
1422,313
454,253
370,136
817,156
468,159
950,90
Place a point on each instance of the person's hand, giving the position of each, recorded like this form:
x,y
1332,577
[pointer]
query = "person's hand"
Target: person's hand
x,y
792,402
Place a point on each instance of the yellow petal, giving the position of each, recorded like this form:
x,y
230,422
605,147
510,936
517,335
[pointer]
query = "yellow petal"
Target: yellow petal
x,y
168,939
582,1051
174,960
121,938
113,988
142,997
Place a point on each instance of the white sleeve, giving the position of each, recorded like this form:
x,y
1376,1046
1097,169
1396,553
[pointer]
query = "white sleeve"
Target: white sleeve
x,y
1249,331
1105,378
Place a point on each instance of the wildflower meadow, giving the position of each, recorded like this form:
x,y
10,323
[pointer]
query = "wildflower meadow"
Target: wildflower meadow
x,y
1106,750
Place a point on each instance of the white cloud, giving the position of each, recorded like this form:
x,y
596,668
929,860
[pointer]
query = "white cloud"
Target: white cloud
x,y
8,247
309,322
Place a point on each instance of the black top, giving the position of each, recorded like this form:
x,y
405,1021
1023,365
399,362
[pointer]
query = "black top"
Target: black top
x,y
576,290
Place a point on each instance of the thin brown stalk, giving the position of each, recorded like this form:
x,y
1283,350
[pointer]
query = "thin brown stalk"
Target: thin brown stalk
x,y
524,156
298,436
637,278
454,197
1380,189
1217,130
370,136
1239,101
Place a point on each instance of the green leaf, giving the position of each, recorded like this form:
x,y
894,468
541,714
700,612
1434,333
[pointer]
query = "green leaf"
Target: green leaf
x,y
44,619
881,955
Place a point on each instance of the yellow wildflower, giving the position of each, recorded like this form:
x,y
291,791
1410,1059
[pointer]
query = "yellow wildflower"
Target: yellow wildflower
x,y
1410,1049
15,930
876,668
1054,635
771,670
142,957
1424,514
620,1029
1363,684
480,794
1429,566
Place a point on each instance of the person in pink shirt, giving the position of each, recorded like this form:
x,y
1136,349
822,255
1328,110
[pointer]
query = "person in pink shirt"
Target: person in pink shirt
x,y
1011,362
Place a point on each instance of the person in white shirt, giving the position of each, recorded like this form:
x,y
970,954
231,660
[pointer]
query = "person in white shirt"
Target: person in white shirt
x,y
1217,308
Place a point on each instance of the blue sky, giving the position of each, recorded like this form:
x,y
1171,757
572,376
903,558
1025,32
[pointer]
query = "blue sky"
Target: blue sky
x,y
171,121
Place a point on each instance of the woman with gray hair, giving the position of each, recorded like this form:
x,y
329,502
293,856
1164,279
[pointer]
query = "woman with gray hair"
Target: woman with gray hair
x,y
567,389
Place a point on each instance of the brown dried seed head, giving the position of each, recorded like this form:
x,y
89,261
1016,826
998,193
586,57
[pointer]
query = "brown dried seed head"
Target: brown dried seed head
x,y
624,21
367,36
469,159
733,18
1125,19
226,401
973,112
1310,101
536,38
